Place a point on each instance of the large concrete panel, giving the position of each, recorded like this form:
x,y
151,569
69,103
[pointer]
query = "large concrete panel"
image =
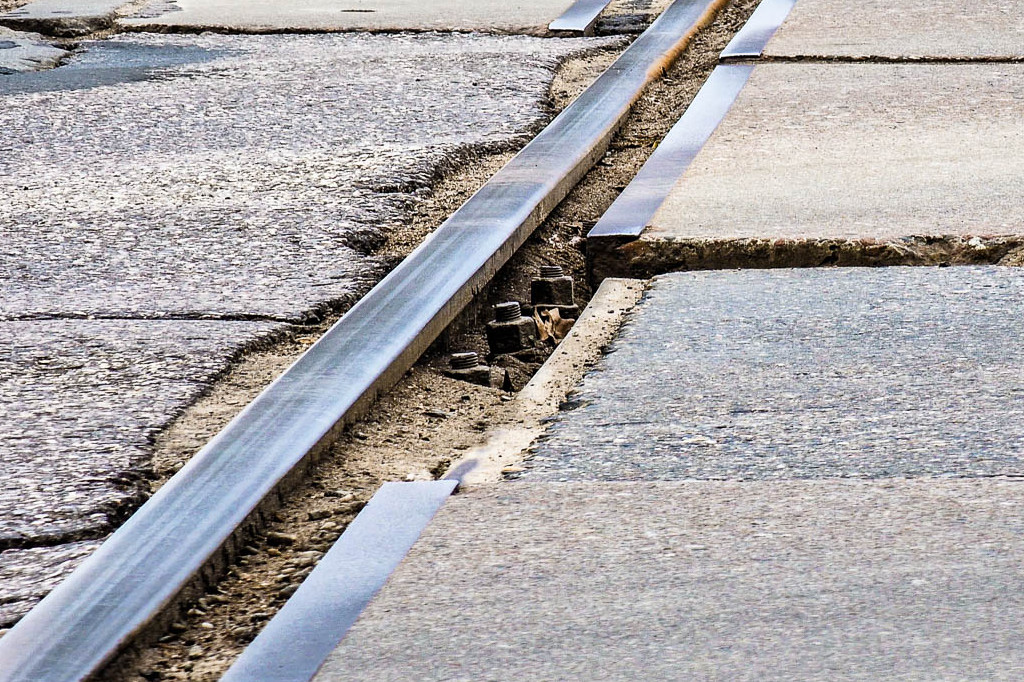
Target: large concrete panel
x,y
850,164
815,373
706,580
910,29
518,16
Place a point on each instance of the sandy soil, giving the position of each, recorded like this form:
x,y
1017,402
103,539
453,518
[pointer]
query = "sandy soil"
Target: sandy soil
x,y
428,419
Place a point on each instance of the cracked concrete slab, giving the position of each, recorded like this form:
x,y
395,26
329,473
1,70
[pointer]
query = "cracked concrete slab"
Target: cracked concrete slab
x,y
849,164
809,374
795,580
21,52
242,176
521,16
912,29
80,401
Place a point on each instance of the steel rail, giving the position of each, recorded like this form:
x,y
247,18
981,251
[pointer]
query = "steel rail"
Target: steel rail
x,y
296,642
633,209
580,18
631,212
140,570
753,38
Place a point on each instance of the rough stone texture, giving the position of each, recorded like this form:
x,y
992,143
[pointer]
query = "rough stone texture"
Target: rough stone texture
x,y
848,163
522,16
240,176
27,575
781,374
914,29
20,52
80,401
705,580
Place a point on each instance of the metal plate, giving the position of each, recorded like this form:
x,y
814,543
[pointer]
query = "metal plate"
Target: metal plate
x,y
299,638
750,42
631,211
580,18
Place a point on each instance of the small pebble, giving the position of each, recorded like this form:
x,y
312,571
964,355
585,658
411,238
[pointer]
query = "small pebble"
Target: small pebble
x,y
195,652
281,539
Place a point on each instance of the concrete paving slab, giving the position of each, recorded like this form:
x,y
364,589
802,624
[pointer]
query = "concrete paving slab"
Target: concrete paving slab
x,y
64,18
912,29
848,164
520,16
20,52
803,374
80,402
848,580
241,176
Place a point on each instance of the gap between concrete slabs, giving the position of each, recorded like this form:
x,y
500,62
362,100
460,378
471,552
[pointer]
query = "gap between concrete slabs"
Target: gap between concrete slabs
x,y
315,619
163,549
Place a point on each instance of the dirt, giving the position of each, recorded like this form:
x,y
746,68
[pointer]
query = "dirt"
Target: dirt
x,y
426,421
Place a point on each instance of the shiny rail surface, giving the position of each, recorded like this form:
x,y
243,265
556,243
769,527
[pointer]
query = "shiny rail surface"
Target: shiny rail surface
x,y
297,640
579,18
632,210
142,567
750,42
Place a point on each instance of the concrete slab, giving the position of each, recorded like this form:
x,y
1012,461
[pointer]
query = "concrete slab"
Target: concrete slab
x,y
803,374
80,402
497,16
912,29
709,580
21,52
848,164
64,18
241,176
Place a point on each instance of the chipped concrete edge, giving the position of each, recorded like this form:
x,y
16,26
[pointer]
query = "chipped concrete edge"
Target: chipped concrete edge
x,y
650,256
596,327
21,52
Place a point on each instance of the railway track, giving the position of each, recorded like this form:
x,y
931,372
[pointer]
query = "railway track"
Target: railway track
x,y
183,537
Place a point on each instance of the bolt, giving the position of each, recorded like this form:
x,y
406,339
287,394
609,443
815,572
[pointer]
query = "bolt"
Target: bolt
x,y
467,367
551,271
510,331
508,312
464,360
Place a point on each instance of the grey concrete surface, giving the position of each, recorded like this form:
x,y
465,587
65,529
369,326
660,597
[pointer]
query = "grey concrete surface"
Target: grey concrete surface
x,y
520,16
806,580
20,52
27,575
914,29
804,374
238,175
854,155
63,18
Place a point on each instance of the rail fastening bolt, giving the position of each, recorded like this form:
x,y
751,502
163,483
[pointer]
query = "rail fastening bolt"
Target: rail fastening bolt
x,y
508,312
467,360
467,367
510,331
